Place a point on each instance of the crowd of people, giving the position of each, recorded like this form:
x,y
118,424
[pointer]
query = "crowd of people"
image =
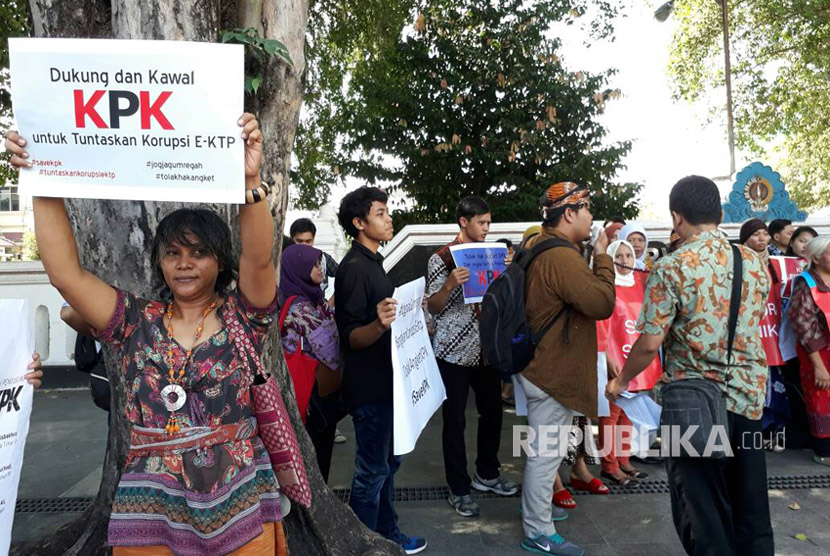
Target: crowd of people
x,y
630,322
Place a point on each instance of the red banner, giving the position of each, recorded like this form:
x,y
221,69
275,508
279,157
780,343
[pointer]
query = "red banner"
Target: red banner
x,y
786,268
622,333
769,327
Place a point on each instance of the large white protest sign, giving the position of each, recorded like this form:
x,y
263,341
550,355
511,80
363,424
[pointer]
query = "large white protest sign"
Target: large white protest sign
x,y
123,119
417,388
16,346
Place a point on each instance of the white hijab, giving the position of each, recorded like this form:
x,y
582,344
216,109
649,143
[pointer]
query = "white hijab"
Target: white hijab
x,y
624,280
635,228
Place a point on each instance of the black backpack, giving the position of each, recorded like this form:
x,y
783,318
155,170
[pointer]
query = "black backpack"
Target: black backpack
x,y
89,359
507,342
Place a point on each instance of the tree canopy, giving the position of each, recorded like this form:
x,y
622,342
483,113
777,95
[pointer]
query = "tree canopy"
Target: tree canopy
x,y
781,76
465,98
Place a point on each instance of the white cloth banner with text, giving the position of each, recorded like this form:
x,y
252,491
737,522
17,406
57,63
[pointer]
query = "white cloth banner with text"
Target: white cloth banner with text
x,y
417,388
125,119
16,347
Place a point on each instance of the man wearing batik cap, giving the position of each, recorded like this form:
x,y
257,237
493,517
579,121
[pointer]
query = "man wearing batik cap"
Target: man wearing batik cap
x,y
561,380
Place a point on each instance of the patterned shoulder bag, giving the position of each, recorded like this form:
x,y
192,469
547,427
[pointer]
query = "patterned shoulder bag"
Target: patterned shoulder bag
x,y
272,418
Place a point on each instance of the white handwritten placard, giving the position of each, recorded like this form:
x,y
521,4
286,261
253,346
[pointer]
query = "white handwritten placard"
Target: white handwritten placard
x,y
417,388
123,119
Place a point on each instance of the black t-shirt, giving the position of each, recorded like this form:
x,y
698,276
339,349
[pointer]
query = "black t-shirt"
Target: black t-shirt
x,y
360,284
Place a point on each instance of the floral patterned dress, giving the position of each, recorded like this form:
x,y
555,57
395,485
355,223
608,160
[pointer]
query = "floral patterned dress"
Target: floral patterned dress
x,y
208,500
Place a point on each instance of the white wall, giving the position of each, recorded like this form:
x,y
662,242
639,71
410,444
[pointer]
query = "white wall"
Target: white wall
x,y
27,280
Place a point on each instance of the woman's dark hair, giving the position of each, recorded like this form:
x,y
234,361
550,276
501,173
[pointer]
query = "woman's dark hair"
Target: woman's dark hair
x,y
301,226
777,226
505,241
697,200
798,231
470,207
357,205
195,227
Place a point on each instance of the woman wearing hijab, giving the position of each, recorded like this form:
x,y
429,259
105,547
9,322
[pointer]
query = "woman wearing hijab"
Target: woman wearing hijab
x,y
636,236
629,299
312,347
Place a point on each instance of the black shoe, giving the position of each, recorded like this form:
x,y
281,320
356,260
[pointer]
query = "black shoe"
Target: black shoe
x,y
649,460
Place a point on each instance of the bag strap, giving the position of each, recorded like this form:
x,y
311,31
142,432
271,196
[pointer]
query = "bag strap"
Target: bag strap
x,y
735,300
285,309
242,343
529,257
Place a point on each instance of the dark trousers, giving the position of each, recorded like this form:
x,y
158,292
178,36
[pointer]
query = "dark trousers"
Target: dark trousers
x,y
486,385
720,507
373,485
321,425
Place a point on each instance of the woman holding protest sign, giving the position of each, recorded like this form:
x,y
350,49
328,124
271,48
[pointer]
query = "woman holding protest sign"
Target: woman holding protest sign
x,y
809,314
312,347
621,334
198,478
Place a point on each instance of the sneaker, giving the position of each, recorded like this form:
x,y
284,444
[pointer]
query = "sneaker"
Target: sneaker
x,y
411,545
553,544
464,505
339,437
558,514
499,485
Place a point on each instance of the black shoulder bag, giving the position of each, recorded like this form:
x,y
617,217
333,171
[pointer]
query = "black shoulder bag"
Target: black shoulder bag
x,y
700,403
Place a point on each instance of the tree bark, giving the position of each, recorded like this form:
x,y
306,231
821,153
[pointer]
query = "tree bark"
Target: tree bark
x,y
120,254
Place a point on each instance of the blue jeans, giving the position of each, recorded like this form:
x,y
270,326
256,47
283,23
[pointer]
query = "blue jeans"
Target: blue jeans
x,y
373,485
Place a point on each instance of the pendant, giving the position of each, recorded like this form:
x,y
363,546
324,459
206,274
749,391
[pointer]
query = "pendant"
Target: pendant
x,y
173,397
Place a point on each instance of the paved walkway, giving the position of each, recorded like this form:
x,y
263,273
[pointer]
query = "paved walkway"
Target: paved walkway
x,y
67,442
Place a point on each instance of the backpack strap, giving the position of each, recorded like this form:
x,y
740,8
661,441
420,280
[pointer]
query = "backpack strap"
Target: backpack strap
x,y
527,256
525,261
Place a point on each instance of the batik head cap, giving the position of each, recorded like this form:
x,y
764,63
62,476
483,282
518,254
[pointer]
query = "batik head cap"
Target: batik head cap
x,y
564,193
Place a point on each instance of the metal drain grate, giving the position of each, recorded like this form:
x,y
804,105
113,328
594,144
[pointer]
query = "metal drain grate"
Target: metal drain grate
x,y
432,494
52,505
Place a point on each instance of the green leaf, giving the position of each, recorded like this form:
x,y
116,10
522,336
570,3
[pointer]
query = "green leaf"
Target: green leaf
x,y
255,83
801,537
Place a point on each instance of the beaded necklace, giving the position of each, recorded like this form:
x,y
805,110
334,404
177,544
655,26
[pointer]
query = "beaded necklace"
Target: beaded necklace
x,y
173,394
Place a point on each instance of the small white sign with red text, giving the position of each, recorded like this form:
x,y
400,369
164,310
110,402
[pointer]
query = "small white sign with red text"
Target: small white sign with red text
x,y
125,119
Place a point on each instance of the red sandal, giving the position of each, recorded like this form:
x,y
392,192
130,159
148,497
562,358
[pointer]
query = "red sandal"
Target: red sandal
x,y
595,486
564,499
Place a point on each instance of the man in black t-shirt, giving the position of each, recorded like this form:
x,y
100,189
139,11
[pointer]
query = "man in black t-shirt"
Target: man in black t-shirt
x,y
364,314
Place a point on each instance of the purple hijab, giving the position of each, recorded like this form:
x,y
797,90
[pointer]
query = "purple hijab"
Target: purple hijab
x,y
295,273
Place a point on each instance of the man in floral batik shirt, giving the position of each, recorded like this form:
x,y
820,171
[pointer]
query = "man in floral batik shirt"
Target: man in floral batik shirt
x,y
719,506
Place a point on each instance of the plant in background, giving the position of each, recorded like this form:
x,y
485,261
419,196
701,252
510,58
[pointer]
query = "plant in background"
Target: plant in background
x,y
257,52
472,98
29,251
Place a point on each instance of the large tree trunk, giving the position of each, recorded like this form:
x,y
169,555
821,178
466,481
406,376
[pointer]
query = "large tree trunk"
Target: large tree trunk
x,y
119,254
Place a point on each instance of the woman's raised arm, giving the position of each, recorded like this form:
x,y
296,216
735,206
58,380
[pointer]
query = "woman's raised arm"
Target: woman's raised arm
x,y
257,271
93,299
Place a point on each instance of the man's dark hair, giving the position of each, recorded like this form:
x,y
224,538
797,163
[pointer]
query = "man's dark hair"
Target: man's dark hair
x,y
505,241
470,207
697,200
614,220
357,205
301,226
192,228
777,226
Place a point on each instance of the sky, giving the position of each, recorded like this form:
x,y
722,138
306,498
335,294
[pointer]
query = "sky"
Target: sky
x,y
670,138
